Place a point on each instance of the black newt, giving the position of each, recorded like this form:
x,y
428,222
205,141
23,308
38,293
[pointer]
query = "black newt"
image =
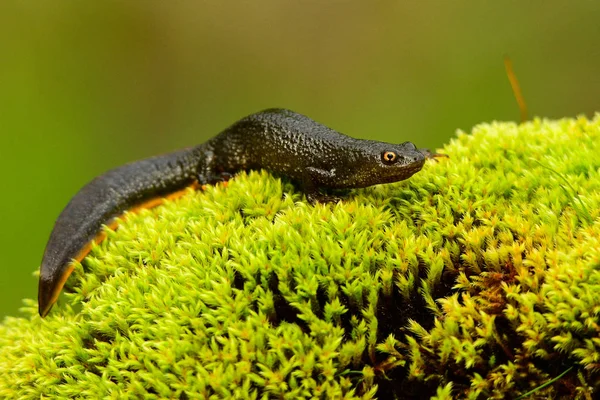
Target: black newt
x,y
277,140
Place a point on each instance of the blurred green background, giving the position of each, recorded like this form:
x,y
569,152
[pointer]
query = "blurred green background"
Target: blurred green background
x,y
86,86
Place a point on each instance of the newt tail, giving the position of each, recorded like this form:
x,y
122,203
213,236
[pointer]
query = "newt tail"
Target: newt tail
x,y
134,186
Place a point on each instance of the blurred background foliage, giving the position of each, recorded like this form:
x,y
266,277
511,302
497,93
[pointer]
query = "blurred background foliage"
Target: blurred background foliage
x,y
86,86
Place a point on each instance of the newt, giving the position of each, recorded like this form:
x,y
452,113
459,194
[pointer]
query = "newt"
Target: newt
x,y
281,141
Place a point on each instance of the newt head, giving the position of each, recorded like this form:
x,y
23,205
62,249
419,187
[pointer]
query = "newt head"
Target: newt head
x,y
399,162
378,162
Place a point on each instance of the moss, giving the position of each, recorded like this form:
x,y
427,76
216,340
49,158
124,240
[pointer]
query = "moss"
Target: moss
x,y
477,278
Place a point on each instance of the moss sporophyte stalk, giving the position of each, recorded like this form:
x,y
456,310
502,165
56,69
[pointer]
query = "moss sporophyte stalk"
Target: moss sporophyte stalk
x,y
477,278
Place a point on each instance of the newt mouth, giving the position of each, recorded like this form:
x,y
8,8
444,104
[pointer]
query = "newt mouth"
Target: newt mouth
x,y
404,172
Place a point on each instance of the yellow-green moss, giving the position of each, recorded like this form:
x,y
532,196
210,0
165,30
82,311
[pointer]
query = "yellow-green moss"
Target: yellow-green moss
x,y
479,277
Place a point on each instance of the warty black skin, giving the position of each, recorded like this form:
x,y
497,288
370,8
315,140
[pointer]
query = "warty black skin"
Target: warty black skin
x,y
281,141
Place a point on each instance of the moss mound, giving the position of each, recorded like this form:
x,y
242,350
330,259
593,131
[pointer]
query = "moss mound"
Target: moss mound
x,y
477,278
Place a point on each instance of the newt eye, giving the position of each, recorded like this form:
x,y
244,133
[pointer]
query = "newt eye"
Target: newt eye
x,y
389,157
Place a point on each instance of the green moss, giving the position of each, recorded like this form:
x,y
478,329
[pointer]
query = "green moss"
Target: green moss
x,y
479,277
